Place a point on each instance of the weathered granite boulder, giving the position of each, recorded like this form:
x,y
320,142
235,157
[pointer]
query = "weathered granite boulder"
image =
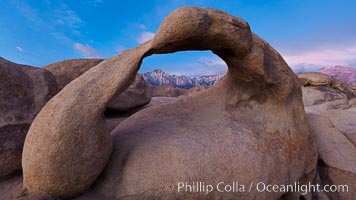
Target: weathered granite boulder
x,y
250,128
167,91
334,132
196,89
137,95
322,92
115,119
67,70
160,100
337,152
24,90
344,121
315,79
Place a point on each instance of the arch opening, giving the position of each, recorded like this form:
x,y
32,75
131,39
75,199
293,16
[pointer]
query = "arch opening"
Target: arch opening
x,y
193,64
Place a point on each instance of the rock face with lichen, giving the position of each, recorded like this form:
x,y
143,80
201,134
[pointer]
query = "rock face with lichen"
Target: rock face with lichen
x,y
24,90
250,127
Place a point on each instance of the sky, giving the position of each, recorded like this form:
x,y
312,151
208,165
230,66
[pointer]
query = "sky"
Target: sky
x,y
308,34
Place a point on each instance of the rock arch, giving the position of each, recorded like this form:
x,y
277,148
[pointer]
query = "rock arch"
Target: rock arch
x,y
254,120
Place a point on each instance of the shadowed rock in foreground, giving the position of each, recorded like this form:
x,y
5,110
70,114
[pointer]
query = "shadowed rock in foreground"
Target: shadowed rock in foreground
x,y
24,90
250,128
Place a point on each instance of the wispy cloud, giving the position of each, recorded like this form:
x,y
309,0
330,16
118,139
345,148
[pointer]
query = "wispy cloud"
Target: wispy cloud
x,y
55,17
352,63
331,56
325,44
19,48
30,13
65,16
145,36
62,37
96,2
212,61
207,65
86,50
304,67
141,26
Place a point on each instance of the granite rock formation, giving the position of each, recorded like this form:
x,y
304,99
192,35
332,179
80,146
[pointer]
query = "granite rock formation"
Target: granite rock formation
x,y
332,118
196,89
250,127
337,151
117,118
323,92
24,90
167,91
138,94
67,70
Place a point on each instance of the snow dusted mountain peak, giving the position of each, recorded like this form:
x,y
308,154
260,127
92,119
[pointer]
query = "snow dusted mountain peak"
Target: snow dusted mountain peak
x,y
160,78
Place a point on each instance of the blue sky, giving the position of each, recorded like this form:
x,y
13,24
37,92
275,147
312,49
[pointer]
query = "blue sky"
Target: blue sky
x,y
308,34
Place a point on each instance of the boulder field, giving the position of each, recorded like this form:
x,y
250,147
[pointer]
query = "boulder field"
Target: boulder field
x,y
251,127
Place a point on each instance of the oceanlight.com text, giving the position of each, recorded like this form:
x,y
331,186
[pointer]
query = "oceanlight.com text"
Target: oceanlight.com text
x,y
235,187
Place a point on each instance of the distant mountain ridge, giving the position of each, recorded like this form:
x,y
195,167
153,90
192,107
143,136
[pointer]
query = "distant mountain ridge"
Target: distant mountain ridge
x,y
346,74
160,78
